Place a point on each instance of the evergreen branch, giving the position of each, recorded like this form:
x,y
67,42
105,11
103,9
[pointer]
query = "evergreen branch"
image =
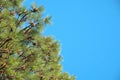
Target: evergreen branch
x,y
22,18
4,50
7,40
27,57
25,28
28,28
2,65
23,67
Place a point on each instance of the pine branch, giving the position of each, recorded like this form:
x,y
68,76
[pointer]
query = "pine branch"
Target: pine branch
x,y
3,65
23,17
7,40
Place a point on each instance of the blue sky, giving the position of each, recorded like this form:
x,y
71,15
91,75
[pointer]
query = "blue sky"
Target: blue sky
x,y
89,34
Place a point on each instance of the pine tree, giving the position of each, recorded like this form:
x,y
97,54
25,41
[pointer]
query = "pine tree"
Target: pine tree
x,y
25,53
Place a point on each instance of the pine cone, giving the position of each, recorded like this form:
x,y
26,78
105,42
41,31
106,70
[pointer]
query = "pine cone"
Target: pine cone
x,y
35,9
32,24
12,13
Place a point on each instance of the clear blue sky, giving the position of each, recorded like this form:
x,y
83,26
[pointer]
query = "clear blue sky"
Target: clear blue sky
x,y
89,33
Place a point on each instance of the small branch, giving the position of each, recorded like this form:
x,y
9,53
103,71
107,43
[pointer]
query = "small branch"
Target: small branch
x,y
22,18
7,40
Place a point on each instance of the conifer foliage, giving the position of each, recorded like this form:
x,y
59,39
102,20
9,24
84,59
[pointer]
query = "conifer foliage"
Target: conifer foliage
x,y
25,53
